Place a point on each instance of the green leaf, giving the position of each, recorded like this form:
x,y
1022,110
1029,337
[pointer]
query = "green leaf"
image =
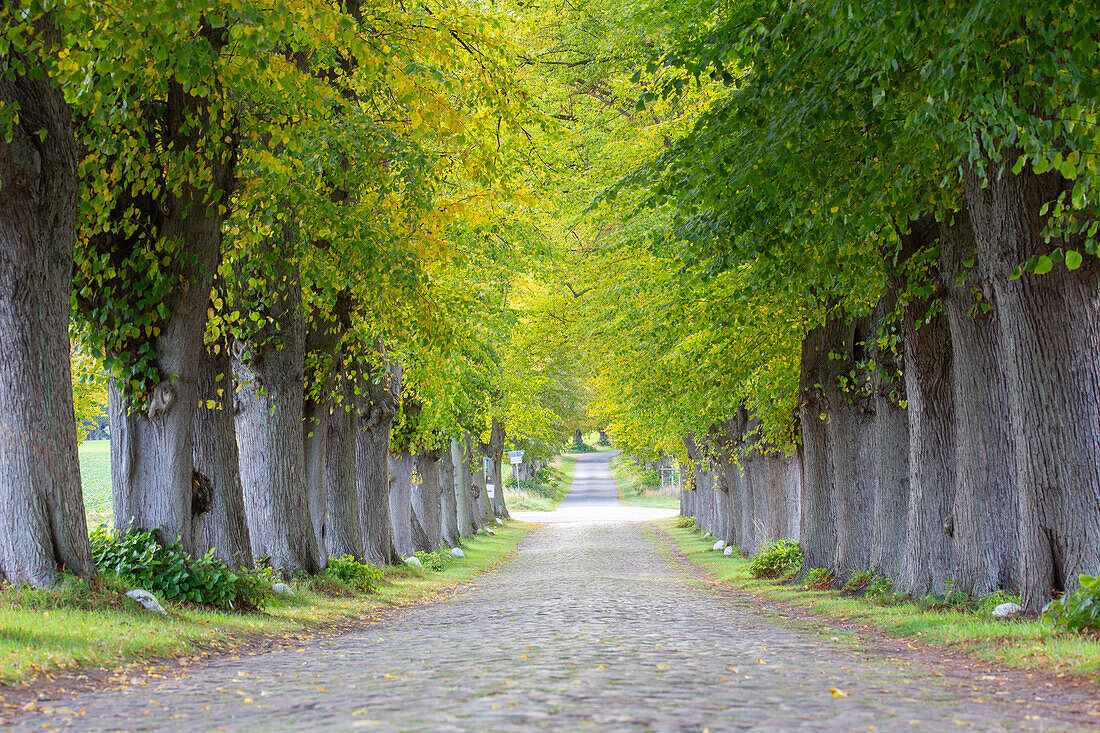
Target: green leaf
x,y
1073,259
1043,265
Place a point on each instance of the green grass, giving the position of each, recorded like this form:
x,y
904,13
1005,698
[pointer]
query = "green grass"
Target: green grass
x,y
95,478
638,489
561,479
1028,644
42,632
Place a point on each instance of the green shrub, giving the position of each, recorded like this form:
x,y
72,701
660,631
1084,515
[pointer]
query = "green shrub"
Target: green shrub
x,y
881,590
777,560
818,579
994,599
951,599
647,481
438,560
349,572
685,522
136,557
858,581
1079,611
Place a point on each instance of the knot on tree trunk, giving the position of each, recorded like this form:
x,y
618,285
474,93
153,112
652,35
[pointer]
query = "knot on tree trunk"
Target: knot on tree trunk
x,y
202,494
164,394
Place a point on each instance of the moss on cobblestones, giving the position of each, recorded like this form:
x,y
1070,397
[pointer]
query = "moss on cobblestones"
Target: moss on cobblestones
x,y
42,637
1017,643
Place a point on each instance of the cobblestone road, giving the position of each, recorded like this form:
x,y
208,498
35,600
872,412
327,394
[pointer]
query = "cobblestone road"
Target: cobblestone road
x,y
590,625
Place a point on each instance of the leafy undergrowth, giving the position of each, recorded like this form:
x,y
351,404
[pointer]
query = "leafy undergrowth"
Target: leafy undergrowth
x,y
638,487
1028,644
543,495
91,623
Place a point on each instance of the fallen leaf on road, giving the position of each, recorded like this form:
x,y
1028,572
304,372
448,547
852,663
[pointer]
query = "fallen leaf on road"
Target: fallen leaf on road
x,y
838,693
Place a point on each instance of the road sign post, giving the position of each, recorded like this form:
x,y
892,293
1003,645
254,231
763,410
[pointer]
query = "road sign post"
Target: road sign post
x,y
490,489
515,457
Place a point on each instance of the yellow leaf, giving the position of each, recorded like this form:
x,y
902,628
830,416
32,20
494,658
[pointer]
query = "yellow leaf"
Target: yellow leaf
x,y
838,693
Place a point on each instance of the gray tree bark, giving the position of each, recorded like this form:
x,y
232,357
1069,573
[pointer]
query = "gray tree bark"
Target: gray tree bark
x,y
792,490
447,498
376,407
483,513
986,508
42,521
152,468
216,459
345,530
1050,338
401,512
850,434
928,562
315,434
463,508
752,489
426,497
890,443
269,374
494,449
818,518
725,438
323,358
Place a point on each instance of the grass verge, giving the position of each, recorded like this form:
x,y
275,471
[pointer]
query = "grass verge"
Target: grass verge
x,y
638,487
1025,644
44,633
544,497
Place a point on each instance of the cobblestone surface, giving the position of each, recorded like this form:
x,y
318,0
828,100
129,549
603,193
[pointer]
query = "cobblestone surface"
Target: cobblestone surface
x,y
587,625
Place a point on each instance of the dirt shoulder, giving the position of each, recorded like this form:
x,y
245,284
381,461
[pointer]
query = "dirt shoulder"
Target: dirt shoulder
x,y
1073,698
49,685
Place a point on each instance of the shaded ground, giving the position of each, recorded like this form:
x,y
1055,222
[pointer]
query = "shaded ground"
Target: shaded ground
x,y
589,623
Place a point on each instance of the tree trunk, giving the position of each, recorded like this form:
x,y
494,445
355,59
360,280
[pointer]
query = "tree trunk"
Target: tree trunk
x,y
323,358
483,513
986,508
817,530
777,462
315,434
401,512
345,530
850,435
751,487
578,439
890,438
448,498
1050,339
702,499
463,504
376,408
928,562
792,489
495,450
725,437
152,452
269,374
152,463
216,459
42,529
426,501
